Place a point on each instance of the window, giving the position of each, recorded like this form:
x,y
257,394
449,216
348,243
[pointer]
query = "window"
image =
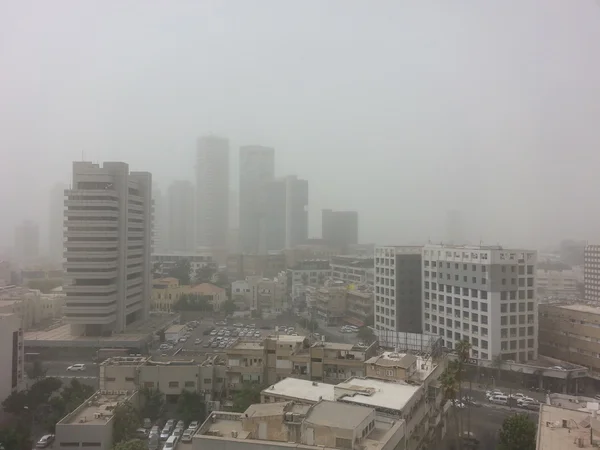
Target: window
x,y
318,360
503,345
513,307
173,384
474,293
503,308
129,379
503,320
475,341
484,344
521,295
475,317
208,381
503,295
466,303
529,270
484,307
530,294
190,384
474,305
484,320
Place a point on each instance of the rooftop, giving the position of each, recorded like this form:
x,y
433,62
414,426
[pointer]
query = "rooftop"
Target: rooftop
x,y
303,390
581,308
274,409
97,410
338,415
563,429
287,338
206,288
223,424
389,359
376,393
245,345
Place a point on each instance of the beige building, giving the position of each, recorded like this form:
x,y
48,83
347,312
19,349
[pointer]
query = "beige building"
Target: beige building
x,y
556,283
241,266
245,293
567,429
165,293
359,305
218,294
329,302
289,425
272,296
31,305
570,333
91,424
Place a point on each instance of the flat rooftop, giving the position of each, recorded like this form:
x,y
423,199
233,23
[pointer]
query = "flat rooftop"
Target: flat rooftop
x,y
97,410
275,409
375,393
554,435
221,424
338,415
244,345
581,308
302,390
287,338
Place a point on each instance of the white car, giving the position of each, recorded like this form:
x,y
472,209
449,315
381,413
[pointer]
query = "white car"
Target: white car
x,y
183,339
198,342
194,425
76,368
187,435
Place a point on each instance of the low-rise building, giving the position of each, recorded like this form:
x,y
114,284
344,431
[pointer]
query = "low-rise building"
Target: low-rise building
x,y
245,293
556,283
272,294
167,261
241,266
165,293
31,305
353,269
91,424
285,425
312,272
329,302
217,294
359,305
567,429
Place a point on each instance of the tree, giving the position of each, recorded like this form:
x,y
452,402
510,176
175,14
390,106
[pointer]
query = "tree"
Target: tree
x,y
204,274
75,393
229,307
246,396
154,404
132,444
181,271
15,438
190,406
369,320
36,371
126,421
366,334
518,432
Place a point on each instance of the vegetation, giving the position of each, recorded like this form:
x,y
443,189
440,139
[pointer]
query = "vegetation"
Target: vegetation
x,y
366,334
369,320
15,437
518,432
248,395
229,307
126,421
181,271
204,274
190,302
154,404
308,324
190,406
36,371
133,444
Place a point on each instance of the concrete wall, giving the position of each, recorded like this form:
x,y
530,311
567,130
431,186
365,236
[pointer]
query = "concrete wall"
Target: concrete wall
x,y
82,434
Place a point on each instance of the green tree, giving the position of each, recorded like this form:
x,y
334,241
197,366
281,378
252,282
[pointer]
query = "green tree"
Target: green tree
x,y
204,274
229,307
366,334
36,371
246,396
369,320
518,432
75,393
15,437
15,403
126,421
132,444
154,404
181,271
190,406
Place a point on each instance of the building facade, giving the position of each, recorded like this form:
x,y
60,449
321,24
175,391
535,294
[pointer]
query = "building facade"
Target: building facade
x,y
486,295
212,195
181,216
56,219
12,371
556,283
107,248
339,227
591,273
27,241
311,272
398,289
257,167
353,269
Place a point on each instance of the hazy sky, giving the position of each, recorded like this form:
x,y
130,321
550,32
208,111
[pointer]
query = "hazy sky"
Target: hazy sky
x,y
398,109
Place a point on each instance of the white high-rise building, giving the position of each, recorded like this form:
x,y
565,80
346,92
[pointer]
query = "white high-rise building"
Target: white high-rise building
x,y
181,216
108,241
486,295
56,218
160,222
212,195
591,273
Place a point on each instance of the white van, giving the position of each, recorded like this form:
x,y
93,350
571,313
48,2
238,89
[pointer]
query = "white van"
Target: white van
x,y
171,443
499,400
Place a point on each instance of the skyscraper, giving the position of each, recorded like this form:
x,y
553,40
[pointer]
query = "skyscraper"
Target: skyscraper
x,y
181,216
160,221
285,205
212,194
107,248
339,227
257,167
56,219
27,241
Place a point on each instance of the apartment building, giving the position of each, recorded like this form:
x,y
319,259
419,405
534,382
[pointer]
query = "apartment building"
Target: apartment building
x,y
56,218
30,305
107,248
359,305
329,303
180,206
217,294
279,426
272,294
257,167
243,265
165,293
167,261
591,273
171,376
339,228
570,333
353,269
398,289
309,272
212,195
486,295
91,424
245,293
556,283
567,428
12,371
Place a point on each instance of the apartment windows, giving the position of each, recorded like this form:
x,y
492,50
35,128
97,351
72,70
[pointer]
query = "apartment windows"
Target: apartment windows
x,y
529,331
529,270
513,320
484,344
503,345
475,342
427,327
513,307
484,295
475,317
484,320
474,280
465,326
457,302
521,270
457,336
504,333
521,307
484,307
474,305
474,293
465,291
513,295
484,331
483,280
503,320
530,343
521,295
522,331
190,384
503,295
449,334
530,294
173,384
456,324
449,323
465,314
474,329
456,290
464,267
474,267
466,303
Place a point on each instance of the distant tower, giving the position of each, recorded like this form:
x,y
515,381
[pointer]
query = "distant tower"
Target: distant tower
x,y
339,227
56,218
27,241
212,195
181,216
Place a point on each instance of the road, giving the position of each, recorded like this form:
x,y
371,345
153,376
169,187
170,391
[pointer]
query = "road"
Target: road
x,y
58,369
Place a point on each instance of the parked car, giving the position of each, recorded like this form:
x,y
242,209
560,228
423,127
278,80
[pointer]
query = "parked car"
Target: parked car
x,y
45,441
76,368
180,424
183,339
187,435
194,424
141,433
164,434
499,399
177,432
213,332
238,325
198,342
170,424
171,443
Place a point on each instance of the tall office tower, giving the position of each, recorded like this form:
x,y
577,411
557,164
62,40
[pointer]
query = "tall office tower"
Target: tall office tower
x,y
339,227
455,228
257,167
398,289
212,195
56,220
160,222
591,273
285,206
27,241
181,216
486,295
107,248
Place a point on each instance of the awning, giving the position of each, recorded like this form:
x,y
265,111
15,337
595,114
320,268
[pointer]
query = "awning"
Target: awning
x,y
354,321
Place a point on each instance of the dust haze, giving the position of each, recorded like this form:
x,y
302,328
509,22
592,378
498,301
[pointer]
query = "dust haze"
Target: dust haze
x,y
399,110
